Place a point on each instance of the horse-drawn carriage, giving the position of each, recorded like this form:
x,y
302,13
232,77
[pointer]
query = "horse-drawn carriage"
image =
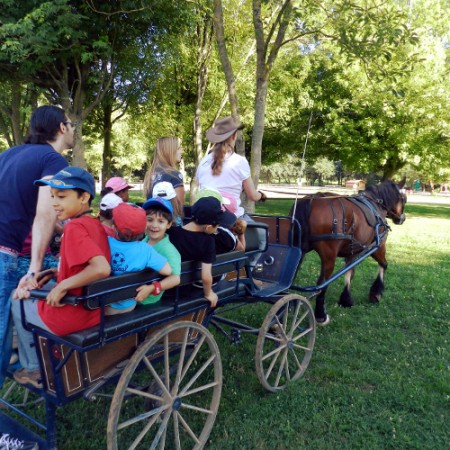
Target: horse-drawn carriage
x,y
160,363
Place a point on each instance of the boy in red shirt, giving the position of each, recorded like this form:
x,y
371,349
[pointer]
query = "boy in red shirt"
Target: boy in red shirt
x,y
84,259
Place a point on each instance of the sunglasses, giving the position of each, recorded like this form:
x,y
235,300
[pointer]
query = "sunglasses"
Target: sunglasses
x,y
74,124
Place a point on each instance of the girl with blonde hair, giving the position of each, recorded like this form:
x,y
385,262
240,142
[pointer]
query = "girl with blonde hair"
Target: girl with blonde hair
x,y
164,168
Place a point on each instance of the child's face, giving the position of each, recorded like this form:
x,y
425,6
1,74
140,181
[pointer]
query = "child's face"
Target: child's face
x,y
68,204
157,225
124,195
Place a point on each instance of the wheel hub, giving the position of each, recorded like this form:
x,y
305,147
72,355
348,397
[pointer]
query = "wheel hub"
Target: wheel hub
x,y
176,405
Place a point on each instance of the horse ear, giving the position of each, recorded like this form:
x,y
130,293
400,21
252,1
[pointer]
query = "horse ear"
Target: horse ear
x,y
402,183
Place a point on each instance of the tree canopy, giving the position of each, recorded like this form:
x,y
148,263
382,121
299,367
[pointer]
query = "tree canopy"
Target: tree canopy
x,y
369,79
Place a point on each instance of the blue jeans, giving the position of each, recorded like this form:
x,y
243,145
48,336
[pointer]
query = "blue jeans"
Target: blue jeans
x,y
8,282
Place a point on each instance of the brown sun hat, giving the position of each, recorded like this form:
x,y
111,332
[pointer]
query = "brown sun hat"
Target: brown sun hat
x,y
223,129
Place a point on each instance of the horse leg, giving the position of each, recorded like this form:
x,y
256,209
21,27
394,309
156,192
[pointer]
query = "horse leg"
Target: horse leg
x,y
377,288
345,300
326,271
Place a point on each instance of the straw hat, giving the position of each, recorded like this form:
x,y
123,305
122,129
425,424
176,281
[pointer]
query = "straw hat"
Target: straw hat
x,y
223,129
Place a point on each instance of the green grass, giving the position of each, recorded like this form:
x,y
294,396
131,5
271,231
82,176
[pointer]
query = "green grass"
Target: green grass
x,y
379,377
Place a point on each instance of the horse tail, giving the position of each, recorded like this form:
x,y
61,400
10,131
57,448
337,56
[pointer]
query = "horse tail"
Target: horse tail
x,y
302,213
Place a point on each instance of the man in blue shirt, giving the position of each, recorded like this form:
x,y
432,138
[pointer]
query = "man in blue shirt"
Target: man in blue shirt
x,y
26,207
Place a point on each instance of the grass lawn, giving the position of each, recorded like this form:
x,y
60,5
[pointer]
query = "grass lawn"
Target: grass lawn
x,y
379,377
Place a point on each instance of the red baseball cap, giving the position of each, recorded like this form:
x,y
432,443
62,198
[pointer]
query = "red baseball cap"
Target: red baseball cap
x,y
129,219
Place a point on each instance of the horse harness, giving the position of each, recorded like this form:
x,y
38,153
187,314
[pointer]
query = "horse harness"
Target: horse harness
x,y
371,212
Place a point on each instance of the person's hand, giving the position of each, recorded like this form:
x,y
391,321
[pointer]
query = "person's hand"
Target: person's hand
x,y
28,282
239,227
263,197
143,292
55,295
45,276
21,294
212,298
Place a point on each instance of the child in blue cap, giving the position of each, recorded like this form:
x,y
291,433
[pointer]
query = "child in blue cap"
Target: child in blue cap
x,y
84,258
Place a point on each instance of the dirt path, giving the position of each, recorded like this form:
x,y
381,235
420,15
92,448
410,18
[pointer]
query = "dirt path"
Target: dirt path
x,y
291,190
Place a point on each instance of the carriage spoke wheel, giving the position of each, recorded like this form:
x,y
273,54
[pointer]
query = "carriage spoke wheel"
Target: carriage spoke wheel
x,y
169,392
285,342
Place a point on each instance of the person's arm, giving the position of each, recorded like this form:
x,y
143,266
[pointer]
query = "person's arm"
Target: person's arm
x,y
147,289
240,245
42,231
181,194
97,268
207,279
166,270
251,192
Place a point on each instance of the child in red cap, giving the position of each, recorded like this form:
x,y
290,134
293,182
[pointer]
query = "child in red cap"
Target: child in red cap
x,y
130,254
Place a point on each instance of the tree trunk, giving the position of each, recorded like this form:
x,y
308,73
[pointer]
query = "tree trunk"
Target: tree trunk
x,y
16,97
204,47
107,134
228,70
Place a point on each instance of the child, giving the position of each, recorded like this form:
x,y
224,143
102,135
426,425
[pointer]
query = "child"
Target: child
x,y
84,258
118,186
159,219
130,254
231,237
194,240
107,204
165,190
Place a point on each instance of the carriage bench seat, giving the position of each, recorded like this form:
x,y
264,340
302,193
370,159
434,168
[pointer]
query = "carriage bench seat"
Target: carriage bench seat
x,y
174,303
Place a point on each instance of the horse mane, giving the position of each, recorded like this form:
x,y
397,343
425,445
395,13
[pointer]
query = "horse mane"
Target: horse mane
x,y
302,212
387,192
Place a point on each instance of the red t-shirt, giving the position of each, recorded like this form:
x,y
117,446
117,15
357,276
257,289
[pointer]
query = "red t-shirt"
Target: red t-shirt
x,y
83,239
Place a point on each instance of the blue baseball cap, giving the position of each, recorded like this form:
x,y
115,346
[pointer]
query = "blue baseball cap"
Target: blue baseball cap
x,y
70,178
159,202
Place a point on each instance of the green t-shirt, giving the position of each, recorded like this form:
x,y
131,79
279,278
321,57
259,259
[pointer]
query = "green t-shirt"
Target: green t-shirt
x,y
165,248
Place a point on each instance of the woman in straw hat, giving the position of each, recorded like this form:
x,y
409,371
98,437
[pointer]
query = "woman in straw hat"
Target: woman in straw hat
x,y
225,170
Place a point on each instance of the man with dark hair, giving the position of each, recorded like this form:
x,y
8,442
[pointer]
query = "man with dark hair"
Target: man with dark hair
x,y
26,207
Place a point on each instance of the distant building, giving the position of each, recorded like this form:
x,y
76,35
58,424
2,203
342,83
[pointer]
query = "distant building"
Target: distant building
x,y
356,185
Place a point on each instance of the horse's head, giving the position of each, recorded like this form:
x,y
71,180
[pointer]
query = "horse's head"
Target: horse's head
x,y
396,204
392,198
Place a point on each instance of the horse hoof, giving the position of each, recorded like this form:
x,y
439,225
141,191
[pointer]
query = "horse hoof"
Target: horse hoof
x,y
375,299
323,322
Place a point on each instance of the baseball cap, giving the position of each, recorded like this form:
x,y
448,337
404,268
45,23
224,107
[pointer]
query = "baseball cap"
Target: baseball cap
x,y
209,192
229,202
110,201
70,178
117,184
164,189
129,219
208,211
159,202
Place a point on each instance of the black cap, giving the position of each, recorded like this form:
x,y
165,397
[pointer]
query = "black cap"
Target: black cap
x,y
208,211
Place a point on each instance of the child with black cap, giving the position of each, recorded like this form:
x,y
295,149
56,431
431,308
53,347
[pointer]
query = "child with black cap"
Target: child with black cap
x,y
194,240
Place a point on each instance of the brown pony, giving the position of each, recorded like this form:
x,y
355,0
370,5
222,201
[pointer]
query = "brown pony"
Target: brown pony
x,y
350,227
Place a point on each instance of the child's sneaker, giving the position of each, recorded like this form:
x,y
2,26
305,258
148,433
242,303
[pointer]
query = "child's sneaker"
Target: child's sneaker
x,y
9,443
24,376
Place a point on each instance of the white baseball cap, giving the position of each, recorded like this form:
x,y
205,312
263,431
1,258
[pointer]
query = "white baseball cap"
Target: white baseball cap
x,y
164,189
110,201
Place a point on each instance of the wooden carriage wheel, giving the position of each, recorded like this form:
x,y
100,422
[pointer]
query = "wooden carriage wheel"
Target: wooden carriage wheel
x,y
285,342
169,392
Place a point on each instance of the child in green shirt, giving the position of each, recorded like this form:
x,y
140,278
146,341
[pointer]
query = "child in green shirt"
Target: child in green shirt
x,y
159,219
